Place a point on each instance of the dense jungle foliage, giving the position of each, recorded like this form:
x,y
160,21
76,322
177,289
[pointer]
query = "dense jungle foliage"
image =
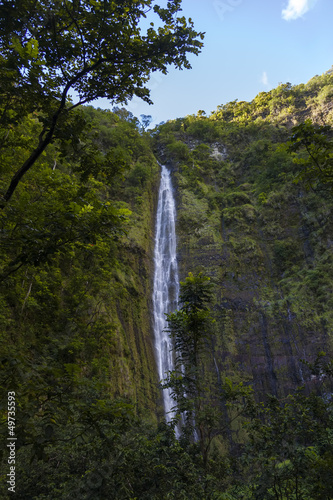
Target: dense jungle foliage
x,y
253,182
254,190
254,225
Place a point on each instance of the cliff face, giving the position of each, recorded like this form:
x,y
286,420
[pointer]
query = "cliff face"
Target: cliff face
x,y
132,366
264,239
254,201
273,294
75,291
76,266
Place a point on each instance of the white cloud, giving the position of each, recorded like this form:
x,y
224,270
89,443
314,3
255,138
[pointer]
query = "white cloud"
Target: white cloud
x,y
264,78
297,8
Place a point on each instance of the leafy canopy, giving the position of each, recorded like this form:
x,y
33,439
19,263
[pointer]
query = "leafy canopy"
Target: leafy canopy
x,y
314,146
90,47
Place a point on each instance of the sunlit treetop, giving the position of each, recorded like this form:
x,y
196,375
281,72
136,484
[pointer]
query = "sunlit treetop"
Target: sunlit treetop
x,y
93,48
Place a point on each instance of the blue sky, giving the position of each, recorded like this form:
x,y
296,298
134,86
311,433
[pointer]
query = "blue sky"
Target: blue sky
x,y
250,46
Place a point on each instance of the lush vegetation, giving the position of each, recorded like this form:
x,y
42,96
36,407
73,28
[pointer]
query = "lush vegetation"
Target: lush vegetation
x,y
254,196
95,49
254,190
252,381
75,290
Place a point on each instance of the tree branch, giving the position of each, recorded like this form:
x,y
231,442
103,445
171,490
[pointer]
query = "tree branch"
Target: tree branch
x,y
45,141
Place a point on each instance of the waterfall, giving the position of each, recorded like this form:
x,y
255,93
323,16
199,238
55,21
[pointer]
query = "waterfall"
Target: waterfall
x,y
166,286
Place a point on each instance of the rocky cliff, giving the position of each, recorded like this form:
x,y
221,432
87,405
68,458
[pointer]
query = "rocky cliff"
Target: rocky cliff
x,y
262,235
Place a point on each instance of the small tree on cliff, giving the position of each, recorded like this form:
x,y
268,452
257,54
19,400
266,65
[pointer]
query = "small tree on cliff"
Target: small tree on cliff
x,y
190,327
199,399
312,149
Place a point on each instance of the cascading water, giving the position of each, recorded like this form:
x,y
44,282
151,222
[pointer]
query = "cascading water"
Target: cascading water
x,y
166,287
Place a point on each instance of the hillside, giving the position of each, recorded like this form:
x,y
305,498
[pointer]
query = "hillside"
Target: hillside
x,y
253,220
254,214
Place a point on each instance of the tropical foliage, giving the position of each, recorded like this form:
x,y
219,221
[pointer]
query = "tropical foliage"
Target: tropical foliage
x,y
253,379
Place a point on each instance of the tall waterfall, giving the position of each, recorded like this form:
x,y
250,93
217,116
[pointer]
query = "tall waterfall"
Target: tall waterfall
x,y
166,287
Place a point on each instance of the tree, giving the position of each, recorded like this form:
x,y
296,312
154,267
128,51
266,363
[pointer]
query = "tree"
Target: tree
x,y
94,49
145,121
190,327
315,145
199,399
289,452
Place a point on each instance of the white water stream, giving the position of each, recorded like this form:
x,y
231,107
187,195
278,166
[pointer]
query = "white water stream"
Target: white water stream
x,y
166,283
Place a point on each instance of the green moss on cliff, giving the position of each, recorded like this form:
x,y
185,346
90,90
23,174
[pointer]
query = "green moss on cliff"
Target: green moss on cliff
x,y
77,244
265,240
